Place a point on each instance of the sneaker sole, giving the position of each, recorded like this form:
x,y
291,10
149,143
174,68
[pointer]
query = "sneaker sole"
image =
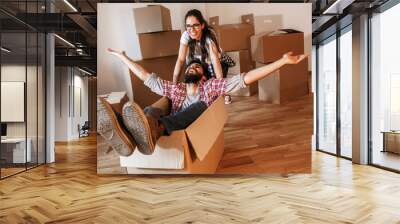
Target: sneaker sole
x,y
123,135
136,122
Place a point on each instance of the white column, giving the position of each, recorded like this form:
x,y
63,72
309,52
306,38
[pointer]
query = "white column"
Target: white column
x,y
360,90
50,100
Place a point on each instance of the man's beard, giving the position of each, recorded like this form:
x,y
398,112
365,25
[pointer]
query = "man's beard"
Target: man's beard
x,y
192,78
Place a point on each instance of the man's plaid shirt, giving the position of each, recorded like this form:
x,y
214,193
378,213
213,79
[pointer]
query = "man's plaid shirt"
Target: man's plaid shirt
x,y
209,91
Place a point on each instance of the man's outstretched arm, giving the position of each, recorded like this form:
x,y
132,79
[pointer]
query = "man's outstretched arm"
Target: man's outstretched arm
x,y
138,70
261,72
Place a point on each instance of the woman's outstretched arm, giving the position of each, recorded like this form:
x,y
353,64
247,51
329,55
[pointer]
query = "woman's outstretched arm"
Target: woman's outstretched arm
x,y
179,62
214,56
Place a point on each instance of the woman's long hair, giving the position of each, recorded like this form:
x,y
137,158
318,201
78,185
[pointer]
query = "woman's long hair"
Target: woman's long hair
x,y
207,32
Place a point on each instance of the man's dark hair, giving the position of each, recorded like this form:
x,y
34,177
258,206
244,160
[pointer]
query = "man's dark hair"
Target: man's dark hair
x,y
206,72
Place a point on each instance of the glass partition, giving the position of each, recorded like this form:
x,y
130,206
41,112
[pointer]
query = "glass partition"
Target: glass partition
x,y
13,95
346,93
22,64
327,95
385,89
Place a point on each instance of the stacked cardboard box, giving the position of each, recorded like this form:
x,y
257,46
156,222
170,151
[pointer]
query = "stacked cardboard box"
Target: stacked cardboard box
x,y
285,84
310,90
159,46
234,39
267,23
267,47
243,64
289,82
154,18
163,67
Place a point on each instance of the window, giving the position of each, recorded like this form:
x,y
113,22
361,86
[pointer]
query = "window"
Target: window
x,y
327,96
385,89
22,66
346,93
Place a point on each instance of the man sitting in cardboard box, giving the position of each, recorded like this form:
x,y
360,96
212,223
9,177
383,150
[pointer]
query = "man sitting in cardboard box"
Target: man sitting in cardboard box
x,y
189,99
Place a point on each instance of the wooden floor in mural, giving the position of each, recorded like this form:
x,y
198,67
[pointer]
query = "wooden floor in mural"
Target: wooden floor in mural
x,y
259,138
268,138
70,191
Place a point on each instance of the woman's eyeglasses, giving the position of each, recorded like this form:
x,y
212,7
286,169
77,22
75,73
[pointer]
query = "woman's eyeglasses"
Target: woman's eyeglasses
x,y
195,66
195,26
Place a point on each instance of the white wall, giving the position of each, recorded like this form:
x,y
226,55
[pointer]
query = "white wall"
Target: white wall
x,y
61,103
116,30
66,119
12,73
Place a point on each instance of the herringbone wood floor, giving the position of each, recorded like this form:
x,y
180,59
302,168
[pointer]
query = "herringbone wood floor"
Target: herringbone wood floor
x,y
70,191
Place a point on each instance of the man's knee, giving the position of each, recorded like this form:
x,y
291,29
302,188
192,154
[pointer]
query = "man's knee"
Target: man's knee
x,y
201,106
153,111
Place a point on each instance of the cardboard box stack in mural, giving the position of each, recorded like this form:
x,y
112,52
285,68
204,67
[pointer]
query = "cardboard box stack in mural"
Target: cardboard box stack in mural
x,y
289,82
234,39
159,46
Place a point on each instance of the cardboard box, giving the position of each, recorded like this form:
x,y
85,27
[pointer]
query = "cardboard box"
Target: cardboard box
x,y
310,90
285,84
267,48
161,44
261,24
243,64
243,61
163,67
153,18
198,148
267,23
233,37
117,101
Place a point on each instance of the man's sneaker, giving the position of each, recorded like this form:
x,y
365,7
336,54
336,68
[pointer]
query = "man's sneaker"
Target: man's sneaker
x,y
113,130
138,125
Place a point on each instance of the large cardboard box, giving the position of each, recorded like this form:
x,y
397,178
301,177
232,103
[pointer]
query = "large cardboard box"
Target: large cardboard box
x,y
233,37
285,84
243,64
267,47
160,44
153,18
163,67
267,23
197,149
243,61
117,101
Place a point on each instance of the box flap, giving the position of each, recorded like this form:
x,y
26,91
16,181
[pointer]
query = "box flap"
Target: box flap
x,y
205,130
249,19
214,21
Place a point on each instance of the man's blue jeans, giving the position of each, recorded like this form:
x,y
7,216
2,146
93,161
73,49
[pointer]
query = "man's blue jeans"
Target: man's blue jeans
x,y
179,120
